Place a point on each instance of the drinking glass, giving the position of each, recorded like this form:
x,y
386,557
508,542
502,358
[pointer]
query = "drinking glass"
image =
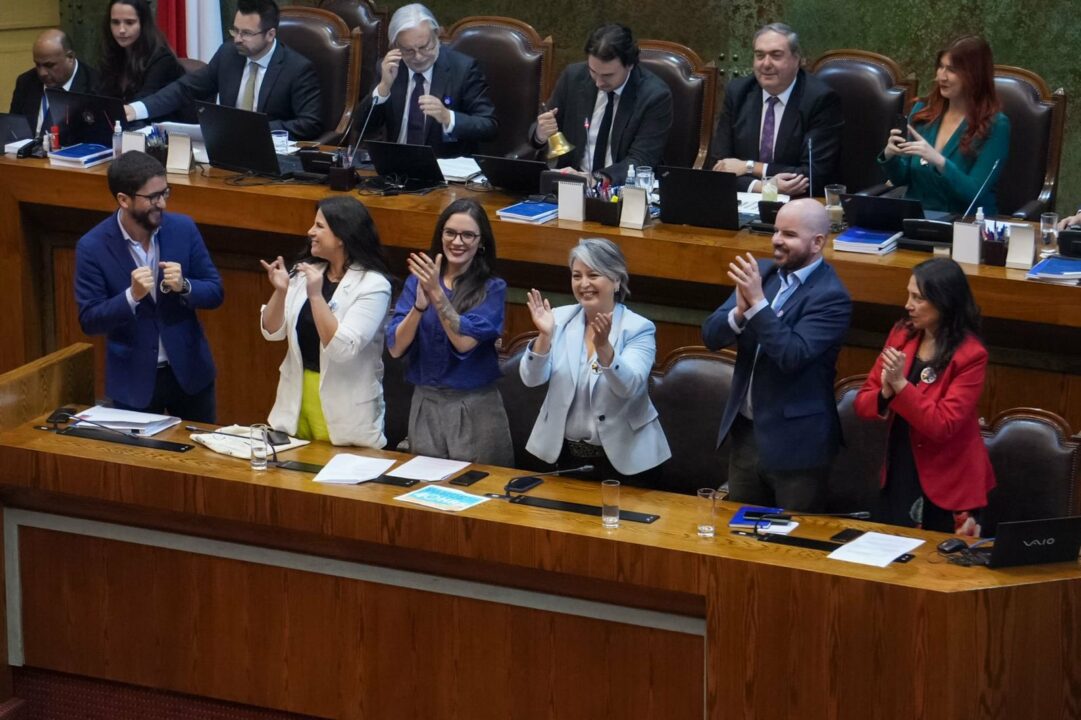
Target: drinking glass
x,y
1049,227
610,503
707,510
260,446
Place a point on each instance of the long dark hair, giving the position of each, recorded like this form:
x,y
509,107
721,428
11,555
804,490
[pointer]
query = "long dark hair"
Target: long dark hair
x,y
943,283
471,287
122,71
350,221
970,57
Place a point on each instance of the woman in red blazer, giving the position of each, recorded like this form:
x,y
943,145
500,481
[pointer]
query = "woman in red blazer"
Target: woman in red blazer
x,y
926,384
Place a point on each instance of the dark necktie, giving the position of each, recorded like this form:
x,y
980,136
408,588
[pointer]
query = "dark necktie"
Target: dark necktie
x,y
765,149
414,131
46,116
602,134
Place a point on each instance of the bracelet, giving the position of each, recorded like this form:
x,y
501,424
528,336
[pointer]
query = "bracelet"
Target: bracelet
x,y
419,309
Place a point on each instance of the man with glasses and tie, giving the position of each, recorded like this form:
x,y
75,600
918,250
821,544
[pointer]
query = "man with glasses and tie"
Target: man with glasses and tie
x,y
776,121
428,94
55,66
614,111
253,72
788,318
140,275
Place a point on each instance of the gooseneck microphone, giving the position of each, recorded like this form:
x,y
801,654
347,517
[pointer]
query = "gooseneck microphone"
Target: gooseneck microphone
x,y
980,191
810,169
58,417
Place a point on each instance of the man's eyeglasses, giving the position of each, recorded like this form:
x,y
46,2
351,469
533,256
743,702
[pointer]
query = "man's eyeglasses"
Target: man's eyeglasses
x,y
155,198
245,34
426,50
468,236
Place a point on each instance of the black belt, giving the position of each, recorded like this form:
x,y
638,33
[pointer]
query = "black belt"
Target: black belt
x,y
586,450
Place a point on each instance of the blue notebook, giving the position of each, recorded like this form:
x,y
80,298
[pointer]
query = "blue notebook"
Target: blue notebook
x,y
1056,266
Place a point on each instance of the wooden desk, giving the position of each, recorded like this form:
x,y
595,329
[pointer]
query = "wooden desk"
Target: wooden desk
x,y
193,573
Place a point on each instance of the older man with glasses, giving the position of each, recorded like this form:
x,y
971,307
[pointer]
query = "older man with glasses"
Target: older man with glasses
x,y
428,94
253,72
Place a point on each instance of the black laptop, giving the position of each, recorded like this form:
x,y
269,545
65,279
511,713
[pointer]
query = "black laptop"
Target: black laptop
x,y
702,198
84,118
405,167
879,212
14,127
240,140
515,176
1034,542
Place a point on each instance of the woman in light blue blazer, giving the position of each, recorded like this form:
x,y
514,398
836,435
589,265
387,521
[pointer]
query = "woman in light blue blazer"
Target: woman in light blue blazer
x,y
596,357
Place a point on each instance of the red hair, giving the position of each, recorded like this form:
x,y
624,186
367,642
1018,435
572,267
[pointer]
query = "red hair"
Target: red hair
x,y
970,58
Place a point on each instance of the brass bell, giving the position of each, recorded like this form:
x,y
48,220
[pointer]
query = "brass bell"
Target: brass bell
x,y
558,145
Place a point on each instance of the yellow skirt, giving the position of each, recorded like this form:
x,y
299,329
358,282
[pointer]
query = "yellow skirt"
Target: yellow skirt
x,y
311,425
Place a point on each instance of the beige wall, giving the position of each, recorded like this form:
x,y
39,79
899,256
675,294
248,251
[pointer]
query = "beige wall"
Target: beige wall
x,y
20,23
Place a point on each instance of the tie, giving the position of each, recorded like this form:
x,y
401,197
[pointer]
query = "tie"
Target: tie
x,y
247,97
601,148
765,150
46,117
414,131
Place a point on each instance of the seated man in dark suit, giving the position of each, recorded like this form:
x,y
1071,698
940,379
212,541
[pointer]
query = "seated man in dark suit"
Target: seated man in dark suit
x,y
802,121
55,66
254,72
788,318
428,94
614,111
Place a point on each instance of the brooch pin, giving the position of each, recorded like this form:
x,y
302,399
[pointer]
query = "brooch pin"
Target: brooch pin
x,y
928,376
595,367
447,100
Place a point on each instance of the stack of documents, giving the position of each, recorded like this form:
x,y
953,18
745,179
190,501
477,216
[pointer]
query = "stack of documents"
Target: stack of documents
x,y
347,469
740,521
529,212
872,242
429,469
458,169
1056,269
82,155
127,421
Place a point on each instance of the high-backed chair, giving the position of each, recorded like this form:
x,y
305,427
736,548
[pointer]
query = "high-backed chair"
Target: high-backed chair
x,y
689,389
334,50
856,471
694,91
190,65
373,32
1029,181
873,91
522,403
517,64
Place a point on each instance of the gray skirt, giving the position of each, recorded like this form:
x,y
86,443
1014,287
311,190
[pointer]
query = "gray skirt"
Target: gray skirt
x,y
466,425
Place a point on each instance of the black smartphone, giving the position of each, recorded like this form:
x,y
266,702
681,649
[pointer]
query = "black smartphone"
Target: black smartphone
x,y
60,415
300,466
847,535
900,122
523,484
277,437
468,478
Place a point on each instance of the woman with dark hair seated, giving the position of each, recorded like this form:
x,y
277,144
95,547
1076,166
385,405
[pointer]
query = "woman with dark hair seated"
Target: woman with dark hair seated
x,y
926,384
446,324
135,58
955,135
331,307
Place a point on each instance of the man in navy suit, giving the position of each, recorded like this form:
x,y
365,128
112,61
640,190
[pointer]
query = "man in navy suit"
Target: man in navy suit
x,y
776,121
614,111
788,319
55,66
428,94
254,72
140,275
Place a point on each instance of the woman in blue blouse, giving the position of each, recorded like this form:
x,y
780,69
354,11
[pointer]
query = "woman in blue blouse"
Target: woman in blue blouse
x,y
446,324
957,135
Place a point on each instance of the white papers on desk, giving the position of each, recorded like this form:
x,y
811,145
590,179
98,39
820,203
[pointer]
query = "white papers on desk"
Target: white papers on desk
x,y
349,469
428,469
235,441
128,421
458,169
748,202
443,498
877,549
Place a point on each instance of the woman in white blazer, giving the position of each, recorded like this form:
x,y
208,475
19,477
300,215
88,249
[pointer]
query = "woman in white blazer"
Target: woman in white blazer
x,y
596,357
331,308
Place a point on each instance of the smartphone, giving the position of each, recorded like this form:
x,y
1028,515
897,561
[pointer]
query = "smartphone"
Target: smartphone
x,y
277,437
900,122
523,484
468,478
847,535
300,466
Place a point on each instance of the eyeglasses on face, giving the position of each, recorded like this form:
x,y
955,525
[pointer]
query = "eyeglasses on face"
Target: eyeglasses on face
x,y
425,50
155,198
245,34
468,236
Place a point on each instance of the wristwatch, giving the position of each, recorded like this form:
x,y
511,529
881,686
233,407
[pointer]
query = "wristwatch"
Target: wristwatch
x,y
750,167
184,289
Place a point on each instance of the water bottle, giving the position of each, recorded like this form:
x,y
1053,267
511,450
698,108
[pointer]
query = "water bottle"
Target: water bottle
x,y
630,181
118,139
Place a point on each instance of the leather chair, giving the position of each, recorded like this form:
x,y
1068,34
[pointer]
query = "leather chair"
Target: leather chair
x,y
854,477
190,65
1037,467
1028,183
334,50
518,66
874,91
694,91
373,31
397,397
522,403
689,390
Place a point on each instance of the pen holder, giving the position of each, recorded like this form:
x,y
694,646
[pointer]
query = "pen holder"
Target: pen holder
x,y
342,179
993,253
605,212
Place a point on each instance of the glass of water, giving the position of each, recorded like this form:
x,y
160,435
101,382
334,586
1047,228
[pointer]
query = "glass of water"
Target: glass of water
x,y
1049,227
260,446
707,512
610,503
643,178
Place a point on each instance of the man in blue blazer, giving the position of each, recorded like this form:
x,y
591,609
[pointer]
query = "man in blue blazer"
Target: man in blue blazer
x,y
448,108
788,319
253,72
140,275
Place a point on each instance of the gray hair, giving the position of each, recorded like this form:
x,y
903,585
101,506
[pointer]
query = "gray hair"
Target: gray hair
x,y
605,257
408,17
781,29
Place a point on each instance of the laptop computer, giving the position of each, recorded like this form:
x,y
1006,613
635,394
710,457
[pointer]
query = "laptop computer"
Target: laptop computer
x,y
1033,542
701,198
879,212
14,127
405,167
240,140
513,175
84,118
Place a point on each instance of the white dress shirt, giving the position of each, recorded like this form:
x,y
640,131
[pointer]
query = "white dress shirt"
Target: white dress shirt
x,y
410,85
595,128
778,114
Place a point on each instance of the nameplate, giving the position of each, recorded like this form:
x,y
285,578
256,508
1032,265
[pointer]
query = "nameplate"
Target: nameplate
x,y
966,243
635,208
572,201
179,159
1022,248
133,141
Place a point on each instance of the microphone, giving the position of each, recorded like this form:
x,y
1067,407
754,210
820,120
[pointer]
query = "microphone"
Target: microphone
x,y
273,450
583,468
810,169
524,483
980,191
363,128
